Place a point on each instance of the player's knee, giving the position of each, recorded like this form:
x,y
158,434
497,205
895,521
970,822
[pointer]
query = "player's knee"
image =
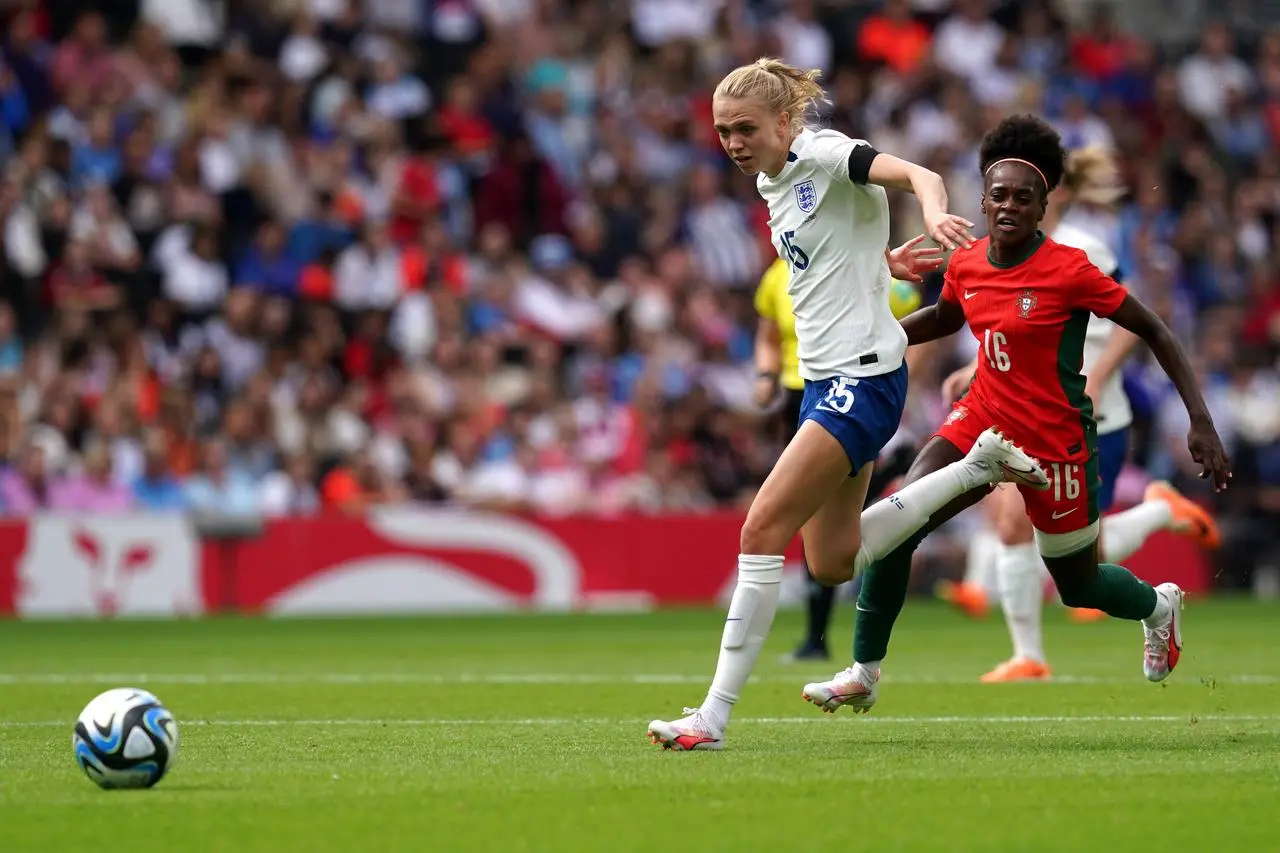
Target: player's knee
x,y
831,568
763,534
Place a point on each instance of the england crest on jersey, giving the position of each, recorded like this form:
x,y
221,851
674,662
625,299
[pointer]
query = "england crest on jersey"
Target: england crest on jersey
x,y
806,196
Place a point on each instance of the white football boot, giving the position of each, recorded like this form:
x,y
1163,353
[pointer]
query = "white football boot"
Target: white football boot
x,y
1162,642
1004,462
854,687
694,731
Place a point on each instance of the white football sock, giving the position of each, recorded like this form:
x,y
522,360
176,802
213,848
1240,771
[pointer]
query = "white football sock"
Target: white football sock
x,y
751,611
890,522
980,561
868,671
1159,616
1022,576
1124,532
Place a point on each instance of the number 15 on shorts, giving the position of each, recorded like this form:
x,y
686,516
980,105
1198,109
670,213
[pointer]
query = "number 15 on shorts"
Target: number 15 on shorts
x,y
839,396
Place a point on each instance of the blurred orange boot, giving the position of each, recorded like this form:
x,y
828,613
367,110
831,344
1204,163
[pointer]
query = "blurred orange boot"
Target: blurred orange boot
x,y
1085,614
967,597
1189,518
1018,669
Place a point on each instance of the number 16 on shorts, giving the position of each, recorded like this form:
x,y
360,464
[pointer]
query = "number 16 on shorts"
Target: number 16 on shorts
x,y
1069,504
1065,479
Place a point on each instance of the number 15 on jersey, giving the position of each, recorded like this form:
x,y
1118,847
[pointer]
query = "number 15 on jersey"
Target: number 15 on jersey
x,y
796,256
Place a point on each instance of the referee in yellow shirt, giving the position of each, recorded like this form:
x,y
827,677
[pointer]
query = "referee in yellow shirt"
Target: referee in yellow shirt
x,y
778,363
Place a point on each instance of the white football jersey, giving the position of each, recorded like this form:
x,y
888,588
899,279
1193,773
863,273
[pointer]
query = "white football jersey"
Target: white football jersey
x,y
1111,410
833,234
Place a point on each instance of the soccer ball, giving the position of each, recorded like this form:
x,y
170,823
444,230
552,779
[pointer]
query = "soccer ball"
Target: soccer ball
x,y
125,739
903,298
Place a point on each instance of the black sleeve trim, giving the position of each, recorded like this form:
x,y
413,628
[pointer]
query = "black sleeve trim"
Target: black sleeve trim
x,y
860,163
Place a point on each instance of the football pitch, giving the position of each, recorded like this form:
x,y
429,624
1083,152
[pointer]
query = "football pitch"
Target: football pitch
x,y
528,733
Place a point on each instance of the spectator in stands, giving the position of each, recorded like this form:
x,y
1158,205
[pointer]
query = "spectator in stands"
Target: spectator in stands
x,y
369,274
247,448
326,230
892,36
111,243
1101,51
15,113
395,93
267,267
75,285
967,42
95,489
112,428
11,351
83,57
24,250
521,193
232,338
191,270
157,489
290,490
1205,77
220,488
24,487
357,485
97,160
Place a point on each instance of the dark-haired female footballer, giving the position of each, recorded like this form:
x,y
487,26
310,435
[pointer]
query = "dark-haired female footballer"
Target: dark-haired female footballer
x,y
1027,300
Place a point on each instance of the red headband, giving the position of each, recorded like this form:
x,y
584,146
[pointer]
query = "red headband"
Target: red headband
x,y
1023,162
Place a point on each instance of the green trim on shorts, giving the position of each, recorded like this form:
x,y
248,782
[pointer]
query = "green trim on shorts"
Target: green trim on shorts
x,y
1092,480
1070,357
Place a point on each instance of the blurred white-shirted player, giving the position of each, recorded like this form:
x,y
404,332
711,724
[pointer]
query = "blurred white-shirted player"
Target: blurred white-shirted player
x,y
1090,184
829,217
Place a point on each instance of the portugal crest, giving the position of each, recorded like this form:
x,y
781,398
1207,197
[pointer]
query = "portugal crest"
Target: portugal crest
x,y
1026,302
957,414
806,196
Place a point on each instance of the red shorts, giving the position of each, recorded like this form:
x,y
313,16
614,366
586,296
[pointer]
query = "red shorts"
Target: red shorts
x,y
1071,501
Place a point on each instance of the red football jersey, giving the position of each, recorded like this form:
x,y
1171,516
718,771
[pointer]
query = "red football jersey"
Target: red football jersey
x,y
1030,319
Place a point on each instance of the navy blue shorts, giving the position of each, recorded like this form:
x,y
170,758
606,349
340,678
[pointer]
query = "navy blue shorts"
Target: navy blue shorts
x,y
1112,450
862,414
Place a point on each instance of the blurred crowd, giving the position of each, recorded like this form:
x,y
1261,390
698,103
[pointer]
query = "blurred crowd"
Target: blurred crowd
x,y
284,255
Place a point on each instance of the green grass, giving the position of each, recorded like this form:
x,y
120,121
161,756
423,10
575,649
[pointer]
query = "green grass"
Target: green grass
x,y
528,733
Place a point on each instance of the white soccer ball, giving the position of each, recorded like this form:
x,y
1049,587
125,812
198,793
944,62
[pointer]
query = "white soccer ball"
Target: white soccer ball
x,y
125,739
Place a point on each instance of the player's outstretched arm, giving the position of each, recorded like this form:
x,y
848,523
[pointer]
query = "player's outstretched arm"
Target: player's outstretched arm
x,y
909,262
947,229
938,320
1202,439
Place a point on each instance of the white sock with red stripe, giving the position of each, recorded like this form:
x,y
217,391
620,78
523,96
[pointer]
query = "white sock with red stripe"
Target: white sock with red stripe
x,y
1125,532
751,612
1022,576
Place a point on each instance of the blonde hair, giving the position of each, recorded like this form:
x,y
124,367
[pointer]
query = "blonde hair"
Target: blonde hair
x,y
782,88
1093,176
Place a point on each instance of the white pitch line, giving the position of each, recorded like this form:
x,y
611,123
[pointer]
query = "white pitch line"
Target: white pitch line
x,y
445,722
544,678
